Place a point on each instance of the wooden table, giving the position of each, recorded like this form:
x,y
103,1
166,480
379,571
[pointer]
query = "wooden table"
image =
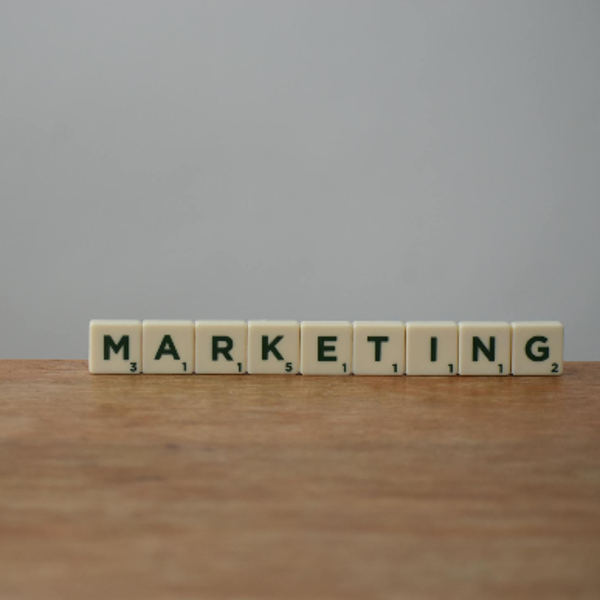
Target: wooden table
x,y
297,487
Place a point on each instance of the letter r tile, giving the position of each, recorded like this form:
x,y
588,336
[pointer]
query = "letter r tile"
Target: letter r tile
x,y
221,347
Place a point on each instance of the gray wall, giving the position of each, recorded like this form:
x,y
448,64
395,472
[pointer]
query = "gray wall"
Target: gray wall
x,y
351,160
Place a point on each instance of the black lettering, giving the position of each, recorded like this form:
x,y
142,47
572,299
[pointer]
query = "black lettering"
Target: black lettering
x,y
167,347
222,344
490,353
270,347
543,351
109,344
322,348
433,349
378,341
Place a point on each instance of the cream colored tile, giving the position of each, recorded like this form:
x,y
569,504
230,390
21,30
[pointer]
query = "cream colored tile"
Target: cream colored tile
x,y
274,347
537,348
221,347
115,347
431,348
378,348
168,347
326,348
484,348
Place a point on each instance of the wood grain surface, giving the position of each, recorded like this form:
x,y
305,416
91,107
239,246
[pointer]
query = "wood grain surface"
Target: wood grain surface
x,y
297,487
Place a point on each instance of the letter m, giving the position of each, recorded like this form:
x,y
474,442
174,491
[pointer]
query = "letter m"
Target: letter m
x,y
109,344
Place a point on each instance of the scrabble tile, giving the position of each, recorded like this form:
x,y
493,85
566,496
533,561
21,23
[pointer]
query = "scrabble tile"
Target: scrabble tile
x,y
221,347
537,348
115,347
431,348
326,348
378,348
168,347
484,348
274,347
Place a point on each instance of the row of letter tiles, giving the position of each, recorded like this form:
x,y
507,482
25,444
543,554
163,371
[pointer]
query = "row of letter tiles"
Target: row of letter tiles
x,y
327,347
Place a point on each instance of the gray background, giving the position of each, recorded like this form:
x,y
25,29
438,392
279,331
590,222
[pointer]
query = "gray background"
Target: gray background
x,y
345,160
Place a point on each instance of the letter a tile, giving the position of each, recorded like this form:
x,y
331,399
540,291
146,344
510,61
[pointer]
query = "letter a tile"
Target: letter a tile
x,y
169,347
